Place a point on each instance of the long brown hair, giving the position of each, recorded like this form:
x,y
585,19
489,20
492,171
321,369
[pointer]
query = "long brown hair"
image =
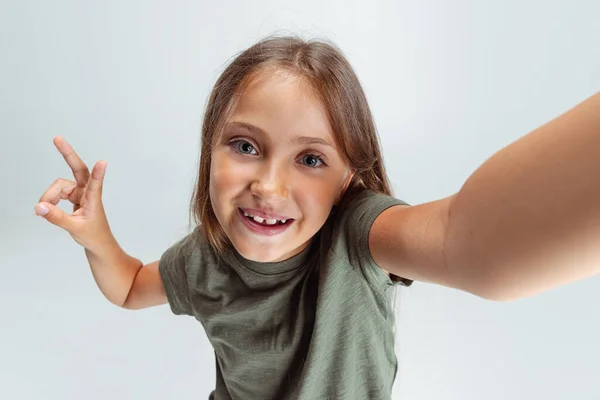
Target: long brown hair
x,y
324,67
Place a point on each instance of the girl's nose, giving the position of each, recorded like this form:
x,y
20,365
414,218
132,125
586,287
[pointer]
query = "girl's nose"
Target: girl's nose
x,y
270,186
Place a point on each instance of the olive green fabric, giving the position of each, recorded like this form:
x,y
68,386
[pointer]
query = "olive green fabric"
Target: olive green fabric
x,y
316,326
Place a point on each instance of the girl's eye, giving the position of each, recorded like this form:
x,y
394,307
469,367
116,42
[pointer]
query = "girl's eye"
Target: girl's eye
x,y
243,147
312,161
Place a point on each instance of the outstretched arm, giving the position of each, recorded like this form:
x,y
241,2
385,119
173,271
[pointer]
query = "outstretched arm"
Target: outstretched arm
x,y
526,221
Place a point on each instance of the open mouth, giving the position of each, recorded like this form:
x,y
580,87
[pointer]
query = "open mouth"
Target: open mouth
x,y
264,226
266,222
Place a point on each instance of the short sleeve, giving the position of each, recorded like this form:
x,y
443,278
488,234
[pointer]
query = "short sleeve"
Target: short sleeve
x,y
355,223
173,268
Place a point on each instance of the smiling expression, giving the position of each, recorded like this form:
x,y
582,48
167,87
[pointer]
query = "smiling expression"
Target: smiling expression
x,y
276,159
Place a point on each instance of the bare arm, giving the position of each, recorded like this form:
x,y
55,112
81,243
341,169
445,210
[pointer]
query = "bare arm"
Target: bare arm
x,y
147,289
408,241
526,221
120,278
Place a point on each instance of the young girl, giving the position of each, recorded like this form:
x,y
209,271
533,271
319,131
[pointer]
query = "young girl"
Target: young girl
x,y
300,245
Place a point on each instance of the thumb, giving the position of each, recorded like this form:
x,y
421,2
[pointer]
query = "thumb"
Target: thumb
x,y
54,215
93,191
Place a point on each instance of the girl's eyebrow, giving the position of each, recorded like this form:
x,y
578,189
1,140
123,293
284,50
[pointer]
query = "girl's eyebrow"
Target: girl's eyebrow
x,y
303,140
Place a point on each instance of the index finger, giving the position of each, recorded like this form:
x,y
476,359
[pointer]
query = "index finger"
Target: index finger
x,y
80,170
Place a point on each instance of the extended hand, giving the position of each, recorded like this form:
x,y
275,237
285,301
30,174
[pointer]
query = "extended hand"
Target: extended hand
x,y
87,224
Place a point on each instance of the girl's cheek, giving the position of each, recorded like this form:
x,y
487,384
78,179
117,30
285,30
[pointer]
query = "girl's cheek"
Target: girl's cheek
x,y
225,166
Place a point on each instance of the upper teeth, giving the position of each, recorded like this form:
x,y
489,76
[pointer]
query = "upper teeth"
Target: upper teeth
x,y
261,220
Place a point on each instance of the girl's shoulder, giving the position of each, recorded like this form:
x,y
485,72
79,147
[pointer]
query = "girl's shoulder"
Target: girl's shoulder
x,y
348,234
363,207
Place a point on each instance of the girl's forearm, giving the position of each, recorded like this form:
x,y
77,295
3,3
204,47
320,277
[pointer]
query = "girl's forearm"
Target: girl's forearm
x,y
114,271
528,219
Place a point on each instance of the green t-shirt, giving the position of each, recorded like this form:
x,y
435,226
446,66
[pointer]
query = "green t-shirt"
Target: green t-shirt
x,y
318,325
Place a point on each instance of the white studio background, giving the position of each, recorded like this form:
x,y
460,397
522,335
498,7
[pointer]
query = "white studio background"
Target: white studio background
x,y
449,82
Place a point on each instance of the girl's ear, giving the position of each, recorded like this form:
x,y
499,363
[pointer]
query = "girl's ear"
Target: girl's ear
x,y
343,189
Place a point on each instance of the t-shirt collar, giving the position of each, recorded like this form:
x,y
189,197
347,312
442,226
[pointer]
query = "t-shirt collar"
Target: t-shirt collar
x,y
273,268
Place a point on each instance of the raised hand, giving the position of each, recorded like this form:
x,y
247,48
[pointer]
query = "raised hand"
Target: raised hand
x,y
87,224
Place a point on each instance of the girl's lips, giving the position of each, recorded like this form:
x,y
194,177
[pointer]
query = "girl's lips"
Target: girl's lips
x,y
266,230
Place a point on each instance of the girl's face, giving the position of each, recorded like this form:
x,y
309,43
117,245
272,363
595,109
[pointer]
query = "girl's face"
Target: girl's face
x,y
276,159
